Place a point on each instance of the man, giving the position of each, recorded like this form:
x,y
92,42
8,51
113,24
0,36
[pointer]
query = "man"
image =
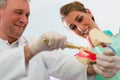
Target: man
x,y
16,51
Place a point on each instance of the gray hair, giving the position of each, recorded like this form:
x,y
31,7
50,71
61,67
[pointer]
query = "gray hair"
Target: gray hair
x,y
3,3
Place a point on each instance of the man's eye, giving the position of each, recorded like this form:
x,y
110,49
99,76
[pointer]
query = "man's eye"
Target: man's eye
x,y
18,12
80,19
73,27
27,15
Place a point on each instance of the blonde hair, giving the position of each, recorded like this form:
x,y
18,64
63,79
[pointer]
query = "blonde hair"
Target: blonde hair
x,y
72,6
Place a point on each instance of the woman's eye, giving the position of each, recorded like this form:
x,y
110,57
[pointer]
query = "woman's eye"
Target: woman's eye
x,y
73,27
80,19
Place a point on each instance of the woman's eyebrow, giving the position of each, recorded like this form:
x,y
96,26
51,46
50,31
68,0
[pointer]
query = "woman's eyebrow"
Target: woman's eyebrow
x,y
70,25
76,18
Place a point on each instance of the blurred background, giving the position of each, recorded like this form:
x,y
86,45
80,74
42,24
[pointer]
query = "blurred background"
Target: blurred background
x,y
45,17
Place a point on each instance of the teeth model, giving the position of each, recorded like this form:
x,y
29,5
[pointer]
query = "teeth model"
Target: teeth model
x,y
86,57
97,37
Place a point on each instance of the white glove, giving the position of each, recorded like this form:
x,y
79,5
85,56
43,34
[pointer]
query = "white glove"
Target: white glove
x,y
56,41
107,64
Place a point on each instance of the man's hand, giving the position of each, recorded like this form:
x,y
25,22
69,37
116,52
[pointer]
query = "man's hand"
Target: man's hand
x,y
55,41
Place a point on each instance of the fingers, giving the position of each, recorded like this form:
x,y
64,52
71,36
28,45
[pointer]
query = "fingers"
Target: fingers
x,y
107,73
105,61
56,40
116,62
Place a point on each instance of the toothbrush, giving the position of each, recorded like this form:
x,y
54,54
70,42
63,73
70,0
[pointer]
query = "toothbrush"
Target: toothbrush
x,y
68,45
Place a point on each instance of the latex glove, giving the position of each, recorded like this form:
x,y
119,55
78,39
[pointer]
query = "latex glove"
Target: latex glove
x,y
107,64
56,41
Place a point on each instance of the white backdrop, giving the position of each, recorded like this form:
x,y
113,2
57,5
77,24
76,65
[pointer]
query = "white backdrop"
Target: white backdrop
x,y
45,16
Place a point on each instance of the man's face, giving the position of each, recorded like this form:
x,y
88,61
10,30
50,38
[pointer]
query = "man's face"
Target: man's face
x,y
14,18
80,23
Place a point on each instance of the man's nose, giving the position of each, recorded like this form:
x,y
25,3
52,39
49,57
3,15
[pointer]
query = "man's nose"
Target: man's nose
x,y
23,19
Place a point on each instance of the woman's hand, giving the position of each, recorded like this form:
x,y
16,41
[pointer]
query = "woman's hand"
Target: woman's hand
x,y
107,64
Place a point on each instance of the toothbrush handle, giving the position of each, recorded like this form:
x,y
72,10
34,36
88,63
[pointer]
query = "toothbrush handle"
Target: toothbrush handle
x,y
68,45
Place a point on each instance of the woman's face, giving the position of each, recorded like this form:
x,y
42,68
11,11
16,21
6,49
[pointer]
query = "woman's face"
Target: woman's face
x,y
79,22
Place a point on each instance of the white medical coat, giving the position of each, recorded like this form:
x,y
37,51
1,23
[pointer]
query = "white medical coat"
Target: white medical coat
x,y
41,66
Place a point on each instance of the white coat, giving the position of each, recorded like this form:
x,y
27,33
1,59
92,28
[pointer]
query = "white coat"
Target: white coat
x,y
41,66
